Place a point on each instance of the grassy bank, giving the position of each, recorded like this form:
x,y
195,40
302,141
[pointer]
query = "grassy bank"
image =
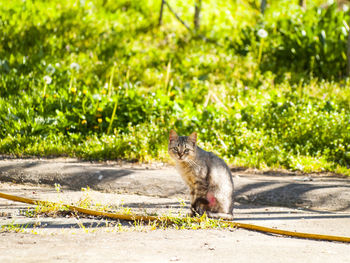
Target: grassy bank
x,y
100,80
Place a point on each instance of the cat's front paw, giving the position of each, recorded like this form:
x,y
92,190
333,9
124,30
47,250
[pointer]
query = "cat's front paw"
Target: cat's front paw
x,y
194,213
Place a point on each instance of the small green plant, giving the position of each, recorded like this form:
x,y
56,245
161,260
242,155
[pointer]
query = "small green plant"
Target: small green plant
x,y
57,188
48,209
85,201
13,228
202,222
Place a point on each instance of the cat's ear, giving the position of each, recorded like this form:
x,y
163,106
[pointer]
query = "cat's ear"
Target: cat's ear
x,y
193,138
173,136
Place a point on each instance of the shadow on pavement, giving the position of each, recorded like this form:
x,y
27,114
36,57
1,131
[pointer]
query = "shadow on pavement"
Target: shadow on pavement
x,y
272,188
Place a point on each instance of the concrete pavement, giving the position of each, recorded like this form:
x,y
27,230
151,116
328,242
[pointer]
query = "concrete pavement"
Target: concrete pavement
x,y
303,203
279,188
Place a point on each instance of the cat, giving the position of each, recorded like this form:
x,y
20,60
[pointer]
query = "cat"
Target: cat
x,y
208,177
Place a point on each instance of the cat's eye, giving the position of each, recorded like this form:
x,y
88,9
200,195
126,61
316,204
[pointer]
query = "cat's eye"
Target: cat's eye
x,y
175,149
186,151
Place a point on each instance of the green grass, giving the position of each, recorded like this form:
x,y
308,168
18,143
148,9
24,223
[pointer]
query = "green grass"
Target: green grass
x,y
100,80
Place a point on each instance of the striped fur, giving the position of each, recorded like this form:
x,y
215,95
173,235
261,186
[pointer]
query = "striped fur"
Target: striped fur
x,y
207,176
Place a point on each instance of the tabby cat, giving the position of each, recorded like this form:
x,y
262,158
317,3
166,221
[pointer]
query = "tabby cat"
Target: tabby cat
x,y
208,177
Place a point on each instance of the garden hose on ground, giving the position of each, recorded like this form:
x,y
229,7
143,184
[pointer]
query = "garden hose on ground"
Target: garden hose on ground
x,y
165,219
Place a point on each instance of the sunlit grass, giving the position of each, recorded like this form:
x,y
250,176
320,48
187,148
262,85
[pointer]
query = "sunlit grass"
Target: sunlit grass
x,y
168,220
103,82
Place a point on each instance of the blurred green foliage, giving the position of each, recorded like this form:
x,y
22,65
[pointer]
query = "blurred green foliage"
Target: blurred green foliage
x,y
311,42
262,91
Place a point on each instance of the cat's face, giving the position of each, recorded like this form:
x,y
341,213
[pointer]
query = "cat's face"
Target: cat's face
x,y
182,148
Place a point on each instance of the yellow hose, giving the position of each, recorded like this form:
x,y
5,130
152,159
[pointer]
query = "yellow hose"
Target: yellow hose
x,y
165,219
